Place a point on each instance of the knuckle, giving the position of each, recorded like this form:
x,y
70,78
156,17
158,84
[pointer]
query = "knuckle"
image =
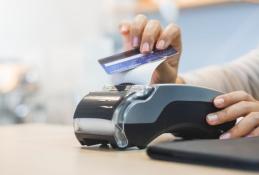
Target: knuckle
x,y
124,23
174,29
177,28
222,115
234,111
148,36
140,16
244,94
154,21
248,97
236,131
171,32
153,25
226,98
256,131
254,116
230,98
136,29
246,106
173,25
165,36
228,113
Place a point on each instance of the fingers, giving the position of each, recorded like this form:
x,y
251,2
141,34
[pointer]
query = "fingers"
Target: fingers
x,y
244,127
124,29
167,70
147,34
225,100
170,36
150,35
254,133
137,29
164,69
232,112
237,104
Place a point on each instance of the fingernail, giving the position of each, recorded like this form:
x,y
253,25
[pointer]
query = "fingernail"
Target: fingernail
x,y
161,44
212,118
225,136
124,29
135,41
145,47
219,102
249,135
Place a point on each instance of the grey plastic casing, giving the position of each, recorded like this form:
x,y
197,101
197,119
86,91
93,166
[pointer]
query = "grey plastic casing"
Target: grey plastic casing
x,y
141,105
148,110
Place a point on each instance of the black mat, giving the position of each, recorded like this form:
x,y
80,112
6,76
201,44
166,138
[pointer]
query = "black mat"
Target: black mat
x,y
240,153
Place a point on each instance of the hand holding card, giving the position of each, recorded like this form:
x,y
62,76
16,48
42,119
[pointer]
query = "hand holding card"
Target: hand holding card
x,y
133,66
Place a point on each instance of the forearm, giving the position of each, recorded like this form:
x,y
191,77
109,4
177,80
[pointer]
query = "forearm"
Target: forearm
x,y
242,74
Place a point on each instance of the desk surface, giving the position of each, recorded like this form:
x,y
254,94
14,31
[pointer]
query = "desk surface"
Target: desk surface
x,y
53,149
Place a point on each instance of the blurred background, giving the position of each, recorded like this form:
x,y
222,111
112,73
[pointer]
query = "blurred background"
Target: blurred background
x,y
49,48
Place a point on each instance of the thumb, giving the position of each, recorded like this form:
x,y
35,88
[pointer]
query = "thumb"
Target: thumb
x,y
164,73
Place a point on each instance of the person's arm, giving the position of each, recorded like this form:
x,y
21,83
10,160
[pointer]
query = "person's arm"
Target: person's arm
x,y
240,81
241,74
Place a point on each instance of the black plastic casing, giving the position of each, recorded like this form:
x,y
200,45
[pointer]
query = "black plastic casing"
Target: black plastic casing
x,y
186,119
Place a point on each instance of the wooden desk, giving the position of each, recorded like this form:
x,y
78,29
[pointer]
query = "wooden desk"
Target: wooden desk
x,y
53,149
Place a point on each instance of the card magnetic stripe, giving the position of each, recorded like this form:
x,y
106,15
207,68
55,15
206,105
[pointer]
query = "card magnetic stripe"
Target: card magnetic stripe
x,y
137,60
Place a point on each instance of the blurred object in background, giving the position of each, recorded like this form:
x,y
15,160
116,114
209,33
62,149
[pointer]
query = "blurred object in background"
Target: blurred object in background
x,y
167,9
10,76
217,34
57,43
61,40
18,85
116,11
150,6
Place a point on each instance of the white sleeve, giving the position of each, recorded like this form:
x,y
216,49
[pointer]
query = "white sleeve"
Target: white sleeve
x,y
241,74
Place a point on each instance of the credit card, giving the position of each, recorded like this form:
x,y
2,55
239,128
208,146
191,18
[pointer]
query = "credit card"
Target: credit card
x,y
133,58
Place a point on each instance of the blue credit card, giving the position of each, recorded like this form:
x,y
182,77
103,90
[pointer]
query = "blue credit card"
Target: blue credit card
x,y
131,59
